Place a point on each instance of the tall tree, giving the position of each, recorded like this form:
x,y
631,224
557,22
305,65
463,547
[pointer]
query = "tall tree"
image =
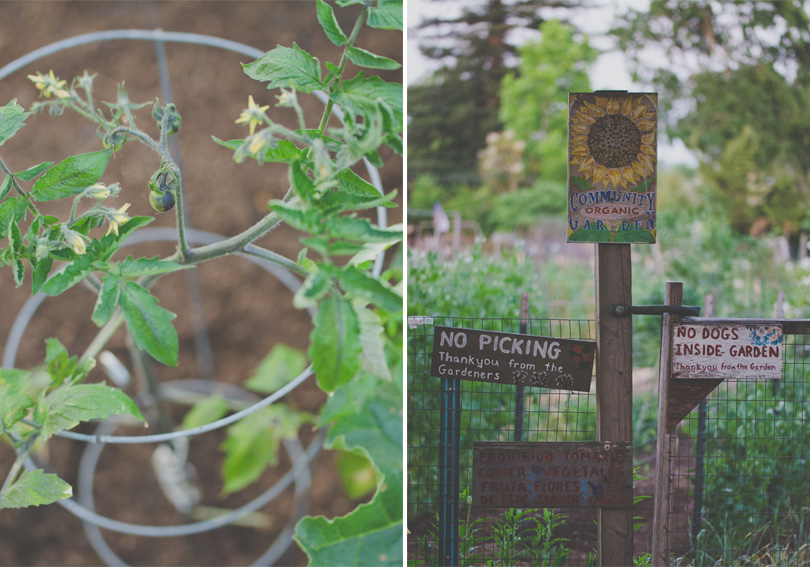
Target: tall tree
x,y
736,76
534,100
675,40
451,113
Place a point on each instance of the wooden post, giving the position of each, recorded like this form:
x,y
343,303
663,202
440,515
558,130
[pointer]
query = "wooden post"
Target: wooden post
x,y
520,393
673,295
614,387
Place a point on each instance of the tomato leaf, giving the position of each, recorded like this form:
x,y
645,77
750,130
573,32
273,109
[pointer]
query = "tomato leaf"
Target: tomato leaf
x,y
31,172
149,323
354,192
41,272
67,406
12,118
205,411
71,176
278,368
373,358
148,267
369,535
364,58
374,428
366,417
70,276
362,95
14,404
365,286
107,300
387,15
306,220
252,443
335,343
5,187
312,290
286,66
360,229
300,181
34,488
330,25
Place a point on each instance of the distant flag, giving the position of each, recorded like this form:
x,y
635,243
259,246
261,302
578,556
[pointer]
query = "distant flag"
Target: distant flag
x,y
441,223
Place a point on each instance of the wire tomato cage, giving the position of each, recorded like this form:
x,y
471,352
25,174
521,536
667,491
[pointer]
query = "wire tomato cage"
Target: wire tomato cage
x,y
298,474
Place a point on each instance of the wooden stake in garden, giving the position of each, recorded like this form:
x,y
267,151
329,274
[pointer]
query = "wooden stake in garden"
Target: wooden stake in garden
x,y
612,181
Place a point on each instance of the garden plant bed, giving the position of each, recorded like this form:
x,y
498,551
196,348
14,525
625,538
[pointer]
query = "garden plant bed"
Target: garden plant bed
x,y
246,310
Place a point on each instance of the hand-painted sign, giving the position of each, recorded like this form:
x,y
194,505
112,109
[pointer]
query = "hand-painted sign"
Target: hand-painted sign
x,y
741,352
612,154
594,474
510,358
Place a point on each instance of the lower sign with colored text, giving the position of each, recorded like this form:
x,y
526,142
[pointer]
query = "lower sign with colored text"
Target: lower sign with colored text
x,y
590,474
740,352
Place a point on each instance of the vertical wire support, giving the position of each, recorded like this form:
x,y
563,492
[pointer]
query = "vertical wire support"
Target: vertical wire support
x,y
204,350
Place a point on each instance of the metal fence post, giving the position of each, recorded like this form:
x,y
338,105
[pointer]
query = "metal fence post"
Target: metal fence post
x,y
449,442
520,393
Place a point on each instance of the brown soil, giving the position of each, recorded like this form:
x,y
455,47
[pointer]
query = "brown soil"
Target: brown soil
x,y
247,311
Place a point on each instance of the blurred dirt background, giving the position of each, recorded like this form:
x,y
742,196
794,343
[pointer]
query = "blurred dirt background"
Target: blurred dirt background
x,y
247,311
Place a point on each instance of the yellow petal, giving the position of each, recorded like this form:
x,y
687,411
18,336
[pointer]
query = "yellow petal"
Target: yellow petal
x,y
615,176
627,173
594,110
581,151
587,164
601,101
613,106
638,167
580,129
649,150
585,118
638,112
648,139
576,160
579,140
647,162
645,125
598,173
627,106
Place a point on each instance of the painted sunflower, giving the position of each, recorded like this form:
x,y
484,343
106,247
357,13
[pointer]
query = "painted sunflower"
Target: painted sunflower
x,y
612,139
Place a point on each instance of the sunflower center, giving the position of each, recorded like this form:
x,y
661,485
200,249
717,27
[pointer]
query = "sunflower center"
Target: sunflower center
x,y
614,140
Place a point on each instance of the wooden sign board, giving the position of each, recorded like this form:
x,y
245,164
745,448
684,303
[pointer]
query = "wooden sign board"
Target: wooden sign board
x,y
511,358
741,352
594,474
612,157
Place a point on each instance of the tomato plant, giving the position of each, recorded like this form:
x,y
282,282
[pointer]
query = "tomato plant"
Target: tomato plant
x,y
355,345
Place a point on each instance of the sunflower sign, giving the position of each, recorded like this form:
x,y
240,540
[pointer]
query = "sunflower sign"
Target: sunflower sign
x,y
612,154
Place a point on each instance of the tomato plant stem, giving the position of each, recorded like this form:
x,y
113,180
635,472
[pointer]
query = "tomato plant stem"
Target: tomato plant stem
x,y
344,59
235,243
18,462
102,336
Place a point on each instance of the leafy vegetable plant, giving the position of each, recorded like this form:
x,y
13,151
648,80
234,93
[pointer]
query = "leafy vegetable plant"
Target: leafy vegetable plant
x,y
355,346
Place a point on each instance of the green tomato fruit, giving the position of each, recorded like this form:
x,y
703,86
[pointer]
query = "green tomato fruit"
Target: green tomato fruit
x,y
115,140
161,202
174,122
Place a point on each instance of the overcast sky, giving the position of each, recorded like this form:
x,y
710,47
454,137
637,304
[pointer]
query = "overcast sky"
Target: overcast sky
x,y
609,71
